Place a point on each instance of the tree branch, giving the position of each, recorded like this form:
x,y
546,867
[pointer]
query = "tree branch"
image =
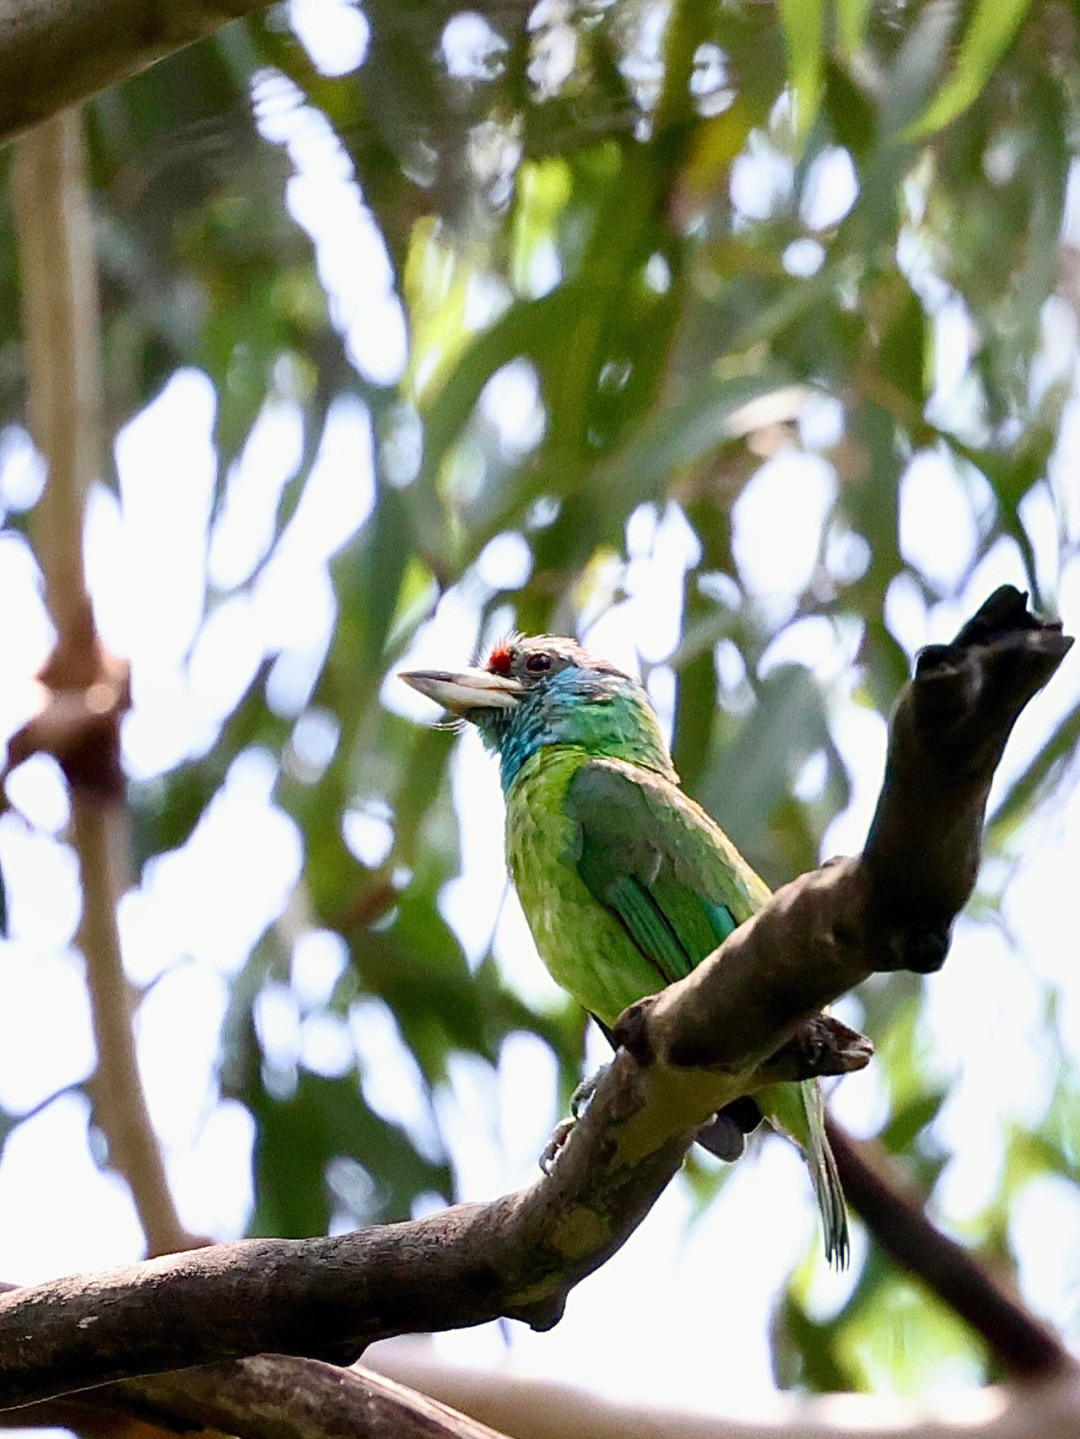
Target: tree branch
x,y
84,689
529,1408
1022,1344
56,52
291,1398
60,341
302,1399
269,1394
685,1053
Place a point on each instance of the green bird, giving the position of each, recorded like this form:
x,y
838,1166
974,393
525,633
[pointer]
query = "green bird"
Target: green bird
x,y
626,883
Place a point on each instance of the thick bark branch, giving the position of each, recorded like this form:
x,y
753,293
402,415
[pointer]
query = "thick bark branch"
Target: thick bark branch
x,y
685,1053
287,1398
56,52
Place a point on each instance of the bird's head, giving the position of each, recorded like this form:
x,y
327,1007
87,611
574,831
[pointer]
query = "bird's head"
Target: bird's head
x,y
548,691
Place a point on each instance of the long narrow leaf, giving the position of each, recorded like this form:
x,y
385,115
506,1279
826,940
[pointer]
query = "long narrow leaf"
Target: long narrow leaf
x,y
803,23
992,30
852,18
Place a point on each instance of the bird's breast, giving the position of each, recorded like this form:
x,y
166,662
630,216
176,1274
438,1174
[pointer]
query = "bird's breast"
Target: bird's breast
x,y
583,946
542,844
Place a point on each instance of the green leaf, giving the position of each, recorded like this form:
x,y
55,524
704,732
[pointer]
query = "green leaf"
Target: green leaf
x,y
848,110
1050,762
908,1121
992,29
852,19
694,716
752,763
804,1352
713,412
302,1133
918,65
528,328
923,1340
803,23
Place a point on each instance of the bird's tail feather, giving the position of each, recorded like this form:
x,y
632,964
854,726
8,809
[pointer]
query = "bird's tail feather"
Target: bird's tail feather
x,y
826,1177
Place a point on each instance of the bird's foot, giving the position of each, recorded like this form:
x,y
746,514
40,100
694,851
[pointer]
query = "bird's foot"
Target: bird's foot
x,y
579,1103
583,1094
821,1046
725,1134
559,1135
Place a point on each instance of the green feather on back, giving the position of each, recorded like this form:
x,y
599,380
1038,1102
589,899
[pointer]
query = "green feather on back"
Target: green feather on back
x,y
653,856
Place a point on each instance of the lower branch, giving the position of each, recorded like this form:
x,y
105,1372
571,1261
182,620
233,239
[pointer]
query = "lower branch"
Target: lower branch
x,y
302,1399
269,1394
545,1409
1020,1342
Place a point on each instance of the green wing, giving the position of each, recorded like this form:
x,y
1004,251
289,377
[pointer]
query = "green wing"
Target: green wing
x,y
656,860
678,887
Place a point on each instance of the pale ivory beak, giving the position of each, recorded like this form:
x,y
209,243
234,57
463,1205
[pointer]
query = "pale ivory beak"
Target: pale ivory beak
x,y
469,690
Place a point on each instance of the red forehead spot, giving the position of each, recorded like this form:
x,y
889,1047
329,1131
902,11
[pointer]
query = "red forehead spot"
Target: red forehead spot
x,y
500,660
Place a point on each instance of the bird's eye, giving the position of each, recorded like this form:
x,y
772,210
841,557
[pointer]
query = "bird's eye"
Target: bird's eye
x,y
537,664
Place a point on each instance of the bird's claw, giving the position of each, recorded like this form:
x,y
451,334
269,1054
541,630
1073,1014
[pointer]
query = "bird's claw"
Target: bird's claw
x,y
582,1095
579,1103
559,1135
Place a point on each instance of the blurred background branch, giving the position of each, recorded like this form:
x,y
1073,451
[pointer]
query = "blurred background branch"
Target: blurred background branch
x,y
55,53
84,690
530,1408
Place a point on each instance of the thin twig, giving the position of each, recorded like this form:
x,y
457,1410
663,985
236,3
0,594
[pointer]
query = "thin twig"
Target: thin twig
x,y
61,329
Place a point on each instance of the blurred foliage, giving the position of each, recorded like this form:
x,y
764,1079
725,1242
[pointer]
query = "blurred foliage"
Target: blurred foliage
x,y
678,231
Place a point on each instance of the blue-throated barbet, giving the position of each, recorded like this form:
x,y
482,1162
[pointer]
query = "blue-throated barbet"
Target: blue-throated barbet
x,y
626,882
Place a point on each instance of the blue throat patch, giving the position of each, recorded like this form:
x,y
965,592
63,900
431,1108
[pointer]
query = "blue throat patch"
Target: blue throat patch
x,y
601,712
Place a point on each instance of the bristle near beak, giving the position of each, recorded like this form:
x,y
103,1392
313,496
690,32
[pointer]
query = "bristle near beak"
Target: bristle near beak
x,y
467,690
